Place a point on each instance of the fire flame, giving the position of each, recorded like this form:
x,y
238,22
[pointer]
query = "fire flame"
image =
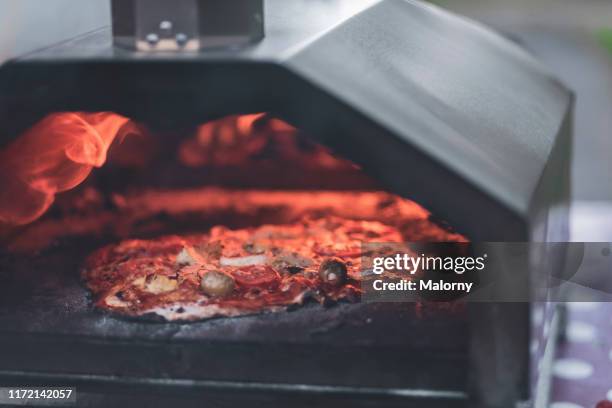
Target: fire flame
x,y
55,155
60,152
242,139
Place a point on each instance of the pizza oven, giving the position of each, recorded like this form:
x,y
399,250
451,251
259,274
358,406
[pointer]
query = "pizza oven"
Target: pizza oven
x,y
175,119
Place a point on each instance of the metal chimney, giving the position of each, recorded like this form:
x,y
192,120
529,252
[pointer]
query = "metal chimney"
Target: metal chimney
x,y
186,25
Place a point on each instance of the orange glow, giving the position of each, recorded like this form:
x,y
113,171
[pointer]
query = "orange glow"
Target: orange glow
x,y
245,122
138,213
240,140
55,155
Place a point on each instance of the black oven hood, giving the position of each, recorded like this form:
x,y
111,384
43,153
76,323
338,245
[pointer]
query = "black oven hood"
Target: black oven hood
x,y
436,107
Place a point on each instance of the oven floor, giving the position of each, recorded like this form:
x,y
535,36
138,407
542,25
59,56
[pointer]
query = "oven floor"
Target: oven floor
x,y
49,333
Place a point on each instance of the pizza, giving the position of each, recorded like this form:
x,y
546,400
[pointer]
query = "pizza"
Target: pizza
x,y
228,273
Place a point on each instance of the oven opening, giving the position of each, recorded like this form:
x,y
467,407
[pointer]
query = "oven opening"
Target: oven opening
x,y
241,215
102,175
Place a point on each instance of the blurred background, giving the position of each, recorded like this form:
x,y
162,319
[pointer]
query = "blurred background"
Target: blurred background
x,y
17,17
